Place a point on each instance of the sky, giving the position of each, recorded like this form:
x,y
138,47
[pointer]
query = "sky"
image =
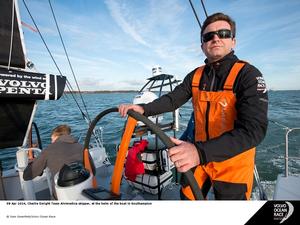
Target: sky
x,y
114,44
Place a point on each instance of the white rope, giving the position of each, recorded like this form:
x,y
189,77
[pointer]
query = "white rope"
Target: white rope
x,y
47,92
12,33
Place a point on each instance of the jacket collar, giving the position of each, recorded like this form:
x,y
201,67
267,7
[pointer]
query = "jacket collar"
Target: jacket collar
x,y
222,64
66,139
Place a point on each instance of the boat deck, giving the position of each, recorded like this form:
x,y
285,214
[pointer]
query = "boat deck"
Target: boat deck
x,y
287,188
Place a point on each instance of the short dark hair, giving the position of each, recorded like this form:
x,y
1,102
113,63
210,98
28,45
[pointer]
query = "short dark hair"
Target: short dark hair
x,y
61,130
217,17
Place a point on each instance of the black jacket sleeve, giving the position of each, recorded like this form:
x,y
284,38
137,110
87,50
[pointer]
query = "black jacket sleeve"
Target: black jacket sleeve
x,y
173,100
251,124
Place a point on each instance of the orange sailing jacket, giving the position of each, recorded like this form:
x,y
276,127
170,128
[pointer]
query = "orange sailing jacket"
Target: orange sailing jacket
x,y
215,114
230,147
215,111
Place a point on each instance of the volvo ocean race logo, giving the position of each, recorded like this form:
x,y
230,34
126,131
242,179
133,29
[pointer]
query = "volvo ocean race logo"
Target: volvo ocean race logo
x,y
261,85
223,103
283,211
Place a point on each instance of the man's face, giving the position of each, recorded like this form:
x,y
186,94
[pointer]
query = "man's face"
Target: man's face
x,y
217,48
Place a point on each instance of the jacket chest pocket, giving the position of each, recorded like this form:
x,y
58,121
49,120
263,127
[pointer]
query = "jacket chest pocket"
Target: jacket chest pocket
x,y
220,111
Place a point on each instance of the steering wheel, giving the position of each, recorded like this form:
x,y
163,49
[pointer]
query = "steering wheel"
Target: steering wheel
x,y
125,141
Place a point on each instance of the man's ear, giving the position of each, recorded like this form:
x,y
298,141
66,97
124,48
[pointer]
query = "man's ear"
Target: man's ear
x,y
53,138
233,43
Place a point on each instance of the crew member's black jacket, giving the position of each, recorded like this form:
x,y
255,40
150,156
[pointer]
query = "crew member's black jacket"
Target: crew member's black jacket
x,y
252,105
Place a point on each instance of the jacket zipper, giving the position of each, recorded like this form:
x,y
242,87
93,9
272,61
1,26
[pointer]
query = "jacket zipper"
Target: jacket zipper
x,y
208,106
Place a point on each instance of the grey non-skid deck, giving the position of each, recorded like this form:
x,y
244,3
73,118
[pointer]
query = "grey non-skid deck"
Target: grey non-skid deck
x,y
287,188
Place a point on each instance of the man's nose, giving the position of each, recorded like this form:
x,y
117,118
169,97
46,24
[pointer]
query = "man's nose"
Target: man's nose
x,y
215,37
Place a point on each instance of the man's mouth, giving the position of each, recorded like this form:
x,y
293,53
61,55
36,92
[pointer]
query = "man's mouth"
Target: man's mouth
x,y
216,46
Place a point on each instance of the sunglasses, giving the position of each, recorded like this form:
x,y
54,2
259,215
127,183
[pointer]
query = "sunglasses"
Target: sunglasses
x,y
222,34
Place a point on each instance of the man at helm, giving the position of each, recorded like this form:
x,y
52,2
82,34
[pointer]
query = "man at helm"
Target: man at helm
x,y
230,104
